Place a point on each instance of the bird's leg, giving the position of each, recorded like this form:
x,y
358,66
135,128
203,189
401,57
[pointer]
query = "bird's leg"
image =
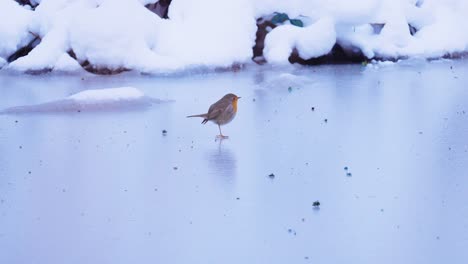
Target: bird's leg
x,y
221,136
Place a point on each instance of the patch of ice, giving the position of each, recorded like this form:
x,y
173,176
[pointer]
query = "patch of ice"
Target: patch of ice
x,y
285,80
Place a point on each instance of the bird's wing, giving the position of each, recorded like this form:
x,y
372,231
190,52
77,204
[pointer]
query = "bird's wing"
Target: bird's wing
x,y
214,113
217,109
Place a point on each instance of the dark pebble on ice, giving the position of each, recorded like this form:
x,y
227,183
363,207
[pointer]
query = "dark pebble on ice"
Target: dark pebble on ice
x,y
345,168
237,198
164,132
313,108
29,172
272,176
381,210
349,174
316,204
325,120
16,121
20,147
289,89
175,168
420,132
253,100
437,237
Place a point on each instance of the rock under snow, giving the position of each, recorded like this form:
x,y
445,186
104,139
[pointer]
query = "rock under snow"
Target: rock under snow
x,y
110,36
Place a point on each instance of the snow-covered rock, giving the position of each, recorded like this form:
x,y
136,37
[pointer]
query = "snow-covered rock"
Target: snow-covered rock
x,y
14,27
311,42
65,63
3,62
118,35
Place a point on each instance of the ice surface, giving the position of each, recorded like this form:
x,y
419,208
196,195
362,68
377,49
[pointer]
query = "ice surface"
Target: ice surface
x,y
110,187
91,100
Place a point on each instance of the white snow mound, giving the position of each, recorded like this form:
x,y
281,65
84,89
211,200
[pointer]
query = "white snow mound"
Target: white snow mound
x,y
124,34
111,99
108,95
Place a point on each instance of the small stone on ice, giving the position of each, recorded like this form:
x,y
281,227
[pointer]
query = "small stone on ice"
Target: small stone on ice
x,y
349,174
175,168
289,89
164,132
272,176
316,204
345,168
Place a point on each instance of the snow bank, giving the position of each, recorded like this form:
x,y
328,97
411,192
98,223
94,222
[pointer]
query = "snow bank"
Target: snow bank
x,y
123,34
122,98
14,27
2,62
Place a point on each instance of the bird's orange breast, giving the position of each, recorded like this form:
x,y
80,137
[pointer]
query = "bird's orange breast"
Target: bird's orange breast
x,y
234,105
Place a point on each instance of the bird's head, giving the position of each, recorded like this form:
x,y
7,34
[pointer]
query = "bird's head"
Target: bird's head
x,y
233,99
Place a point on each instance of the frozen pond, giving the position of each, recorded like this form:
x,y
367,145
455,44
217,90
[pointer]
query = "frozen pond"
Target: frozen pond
x,y
109,187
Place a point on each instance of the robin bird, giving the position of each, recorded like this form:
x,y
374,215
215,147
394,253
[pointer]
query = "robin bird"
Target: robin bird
x,y
221,112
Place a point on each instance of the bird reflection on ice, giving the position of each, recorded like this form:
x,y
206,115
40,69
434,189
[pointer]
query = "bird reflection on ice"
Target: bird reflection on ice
x,y
222,161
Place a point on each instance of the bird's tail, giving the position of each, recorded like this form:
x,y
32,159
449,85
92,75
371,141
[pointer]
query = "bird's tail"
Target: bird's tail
x,y
200,115
205,116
